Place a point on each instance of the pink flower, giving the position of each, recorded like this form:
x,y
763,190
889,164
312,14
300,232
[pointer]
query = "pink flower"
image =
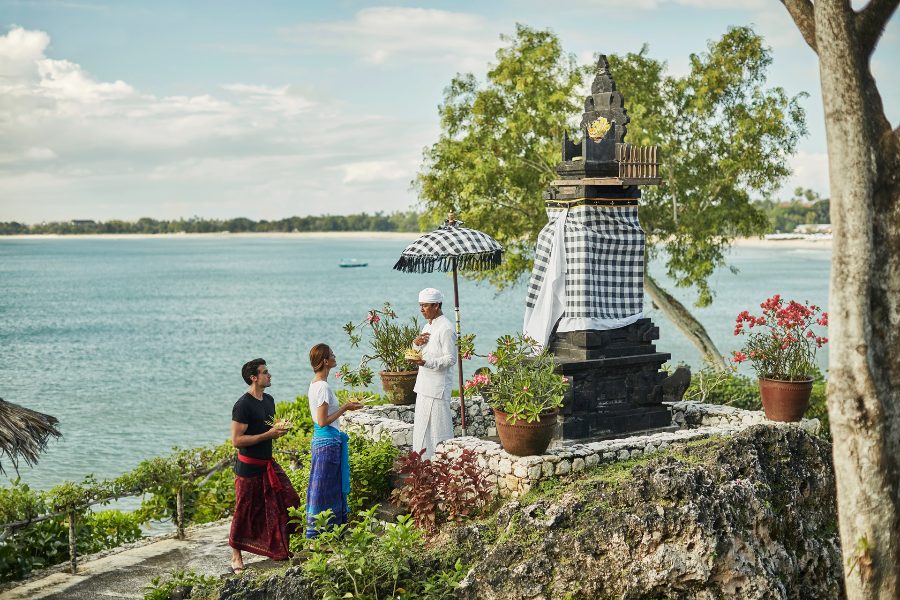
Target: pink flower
x,y
565,379
823,320
492,358
338,375
369,317
739,357
376,318
524,388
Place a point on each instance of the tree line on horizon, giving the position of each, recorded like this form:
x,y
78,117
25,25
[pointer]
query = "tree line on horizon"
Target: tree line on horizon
x,y
398,221
805,207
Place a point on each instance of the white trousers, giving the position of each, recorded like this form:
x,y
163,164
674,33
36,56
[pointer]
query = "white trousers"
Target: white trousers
x,y
433,423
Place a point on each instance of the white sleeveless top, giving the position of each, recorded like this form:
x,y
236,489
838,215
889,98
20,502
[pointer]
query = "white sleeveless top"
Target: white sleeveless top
x,y
320,393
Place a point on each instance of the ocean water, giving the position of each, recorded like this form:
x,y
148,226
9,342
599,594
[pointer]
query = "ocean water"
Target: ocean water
x,y
136,345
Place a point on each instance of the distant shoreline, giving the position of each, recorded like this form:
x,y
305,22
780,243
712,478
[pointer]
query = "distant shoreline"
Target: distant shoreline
x,y
362,235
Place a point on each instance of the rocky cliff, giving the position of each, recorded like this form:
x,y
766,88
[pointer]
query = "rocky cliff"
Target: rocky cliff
x,y
751,517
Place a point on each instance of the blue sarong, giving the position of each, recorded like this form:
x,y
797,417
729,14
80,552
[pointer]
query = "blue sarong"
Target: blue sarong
x,y
329,478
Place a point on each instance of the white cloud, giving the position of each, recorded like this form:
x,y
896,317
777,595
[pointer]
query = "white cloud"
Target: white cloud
x,y
364,172
39,154
396,35
810,171
67,138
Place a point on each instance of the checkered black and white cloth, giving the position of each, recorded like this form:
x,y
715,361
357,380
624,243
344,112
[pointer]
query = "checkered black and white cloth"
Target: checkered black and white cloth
x,y
472,249
604,262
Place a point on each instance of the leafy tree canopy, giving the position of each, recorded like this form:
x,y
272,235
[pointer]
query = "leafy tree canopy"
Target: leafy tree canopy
x,y
723,139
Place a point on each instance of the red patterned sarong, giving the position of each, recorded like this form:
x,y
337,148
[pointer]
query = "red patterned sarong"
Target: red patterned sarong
x,y
260,523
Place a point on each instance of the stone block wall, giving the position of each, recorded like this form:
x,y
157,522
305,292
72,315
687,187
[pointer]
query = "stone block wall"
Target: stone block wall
x,y
513,476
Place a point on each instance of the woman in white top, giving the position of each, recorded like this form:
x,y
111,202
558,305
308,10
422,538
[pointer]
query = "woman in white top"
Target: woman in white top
x,y
329,478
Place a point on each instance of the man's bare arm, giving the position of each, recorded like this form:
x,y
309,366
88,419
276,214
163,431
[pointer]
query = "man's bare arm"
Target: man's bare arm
x,y
240,440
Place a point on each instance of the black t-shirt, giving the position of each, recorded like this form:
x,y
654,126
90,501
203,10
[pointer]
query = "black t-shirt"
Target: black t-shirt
x,y
254,413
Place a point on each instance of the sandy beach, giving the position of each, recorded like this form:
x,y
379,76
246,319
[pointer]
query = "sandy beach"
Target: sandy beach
x,y
783,244
370,235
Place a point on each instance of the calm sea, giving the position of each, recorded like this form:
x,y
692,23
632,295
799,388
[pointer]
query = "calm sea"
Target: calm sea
x,y
136,345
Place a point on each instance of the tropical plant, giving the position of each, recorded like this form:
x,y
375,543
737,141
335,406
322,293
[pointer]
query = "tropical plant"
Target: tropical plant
x,y
160,588
389,339
786,351
443,488
524,385
371,560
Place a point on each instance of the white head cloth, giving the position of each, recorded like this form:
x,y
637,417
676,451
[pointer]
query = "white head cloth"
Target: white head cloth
x,y
430,296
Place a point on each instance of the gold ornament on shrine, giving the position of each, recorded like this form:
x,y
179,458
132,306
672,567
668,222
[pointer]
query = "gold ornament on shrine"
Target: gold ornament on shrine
x,y
598,129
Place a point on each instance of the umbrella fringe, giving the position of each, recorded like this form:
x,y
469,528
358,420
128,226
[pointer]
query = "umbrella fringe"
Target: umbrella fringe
x,y
482,261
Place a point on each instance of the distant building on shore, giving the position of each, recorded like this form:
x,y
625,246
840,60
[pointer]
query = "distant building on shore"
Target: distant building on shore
x,y
808,228
81,222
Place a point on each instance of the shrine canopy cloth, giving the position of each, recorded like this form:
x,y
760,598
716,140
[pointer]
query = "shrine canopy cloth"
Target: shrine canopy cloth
x,y
472,250
593,281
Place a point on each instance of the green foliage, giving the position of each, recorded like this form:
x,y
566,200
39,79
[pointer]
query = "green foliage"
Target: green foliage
x,y
396,221
159,588
363,561
389,340
525,385
805,207
370,469
724,388
499,143
723,139
47,543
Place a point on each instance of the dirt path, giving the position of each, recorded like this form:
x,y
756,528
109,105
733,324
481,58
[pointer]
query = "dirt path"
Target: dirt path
x,y
124,574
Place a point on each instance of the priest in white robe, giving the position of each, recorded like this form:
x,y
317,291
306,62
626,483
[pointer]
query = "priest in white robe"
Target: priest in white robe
x,y
434,420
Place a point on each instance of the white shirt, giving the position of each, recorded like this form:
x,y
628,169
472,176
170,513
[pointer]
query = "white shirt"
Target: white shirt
x,y
320,393
439,354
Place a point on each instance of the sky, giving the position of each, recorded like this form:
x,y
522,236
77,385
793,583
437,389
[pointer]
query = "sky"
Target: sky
x,y
266,110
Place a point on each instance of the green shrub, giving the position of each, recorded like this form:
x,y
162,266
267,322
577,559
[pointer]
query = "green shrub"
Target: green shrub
x,y
368,559
160,589
47,543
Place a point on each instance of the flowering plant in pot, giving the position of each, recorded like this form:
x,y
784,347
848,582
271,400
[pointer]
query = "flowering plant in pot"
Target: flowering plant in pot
x,y
389,342
782,352
524,391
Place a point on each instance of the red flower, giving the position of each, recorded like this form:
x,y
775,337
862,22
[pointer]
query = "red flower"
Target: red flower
x,y
823,320
739,357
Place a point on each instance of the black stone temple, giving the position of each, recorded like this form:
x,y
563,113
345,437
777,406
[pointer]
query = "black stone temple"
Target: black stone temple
x,y
616,383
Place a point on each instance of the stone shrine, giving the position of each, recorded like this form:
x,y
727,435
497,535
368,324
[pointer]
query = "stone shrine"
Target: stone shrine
x,y
585,298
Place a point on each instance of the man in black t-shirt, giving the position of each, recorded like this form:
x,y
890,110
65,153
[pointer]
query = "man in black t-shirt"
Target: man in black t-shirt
x,y
263,491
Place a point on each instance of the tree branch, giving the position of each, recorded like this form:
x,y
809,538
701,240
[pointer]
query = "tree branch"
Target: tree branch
x,y
871,21
802,13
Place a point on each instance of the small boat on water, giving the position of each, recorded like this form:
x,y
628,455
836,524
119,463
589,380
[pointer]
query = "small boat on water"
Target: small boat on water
x,y
352,262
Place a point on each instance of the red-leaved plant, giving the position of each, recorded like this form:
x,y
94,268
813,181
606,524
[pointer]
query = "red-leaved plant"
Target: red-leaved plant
x,y
442,488
786,351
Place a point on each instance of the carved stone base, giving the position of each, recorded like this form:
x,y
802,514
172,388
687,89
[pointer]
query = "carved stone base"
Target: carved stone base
x,y
616,385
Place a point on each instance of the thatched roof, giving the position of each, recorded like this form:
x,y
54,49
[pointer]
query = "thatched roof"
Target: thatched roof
x,y
24,433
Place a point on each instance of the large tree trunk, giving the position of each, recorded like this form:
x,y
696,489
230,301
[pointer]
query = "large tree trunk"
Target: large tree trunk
x,y
685,322
864,301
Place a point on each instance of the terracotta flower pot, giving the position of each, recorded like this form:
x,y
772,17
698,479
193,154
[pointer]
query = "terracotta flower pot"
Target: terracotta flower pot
x,y
785,400
398,386
521,438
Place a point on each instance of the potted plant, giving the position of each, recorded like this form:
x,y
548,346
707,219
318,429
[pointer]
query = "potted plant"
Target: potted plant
x,y
390,341
782,352
524,392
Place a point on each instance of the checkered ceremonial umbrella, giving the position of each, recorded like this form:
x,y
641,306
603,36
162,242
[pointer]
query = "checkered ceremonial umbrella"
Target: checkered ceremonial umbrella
x,y
449,248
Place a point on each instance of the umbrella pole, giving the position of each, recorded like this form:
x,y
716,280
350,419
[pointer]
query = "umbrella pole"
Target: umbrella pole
x,y
462,393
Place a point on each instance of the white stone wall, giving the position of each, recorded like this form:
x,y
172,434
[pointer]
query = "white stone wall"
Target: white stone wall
x,y
513,476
